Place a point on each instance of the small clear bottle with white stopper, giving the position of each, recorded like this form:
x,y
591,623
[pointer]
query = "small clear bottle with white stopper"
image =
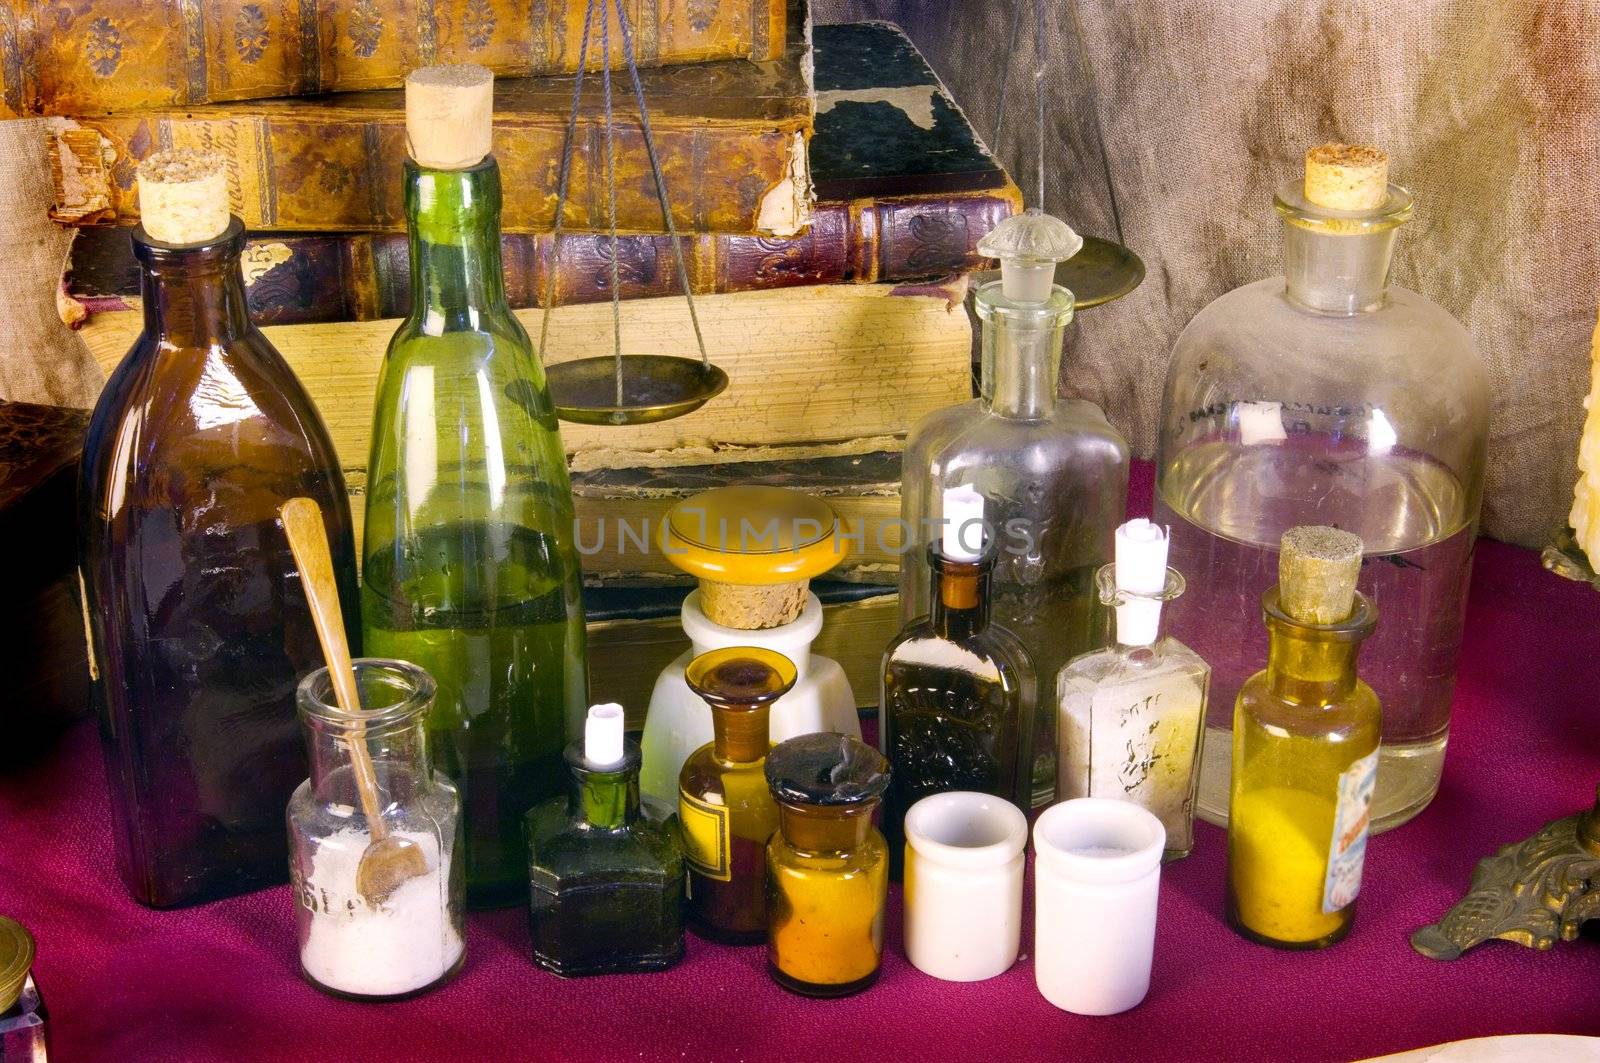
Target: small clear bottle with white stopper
x,y
957,700
1132,715
1054,471
605,873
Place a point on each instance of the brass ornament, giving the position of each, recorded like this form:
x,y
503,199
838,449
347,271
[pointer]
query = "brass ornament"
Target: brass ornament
x,y
1535,892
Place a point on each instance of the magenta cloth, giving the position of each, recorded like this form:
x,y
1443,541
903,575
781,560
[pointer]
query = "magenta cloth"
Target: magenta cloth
x,y
221,982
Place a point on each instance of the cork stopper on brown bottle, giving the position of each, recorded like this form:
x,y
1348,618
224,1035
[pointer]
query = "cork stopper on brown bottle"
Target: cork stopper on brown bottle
x,y
1347,177
449,116
183,197
1317,572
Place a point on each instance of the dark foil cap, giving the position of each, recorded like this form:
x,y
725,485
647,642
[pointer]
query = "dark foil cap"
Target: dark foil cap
x,y
826,769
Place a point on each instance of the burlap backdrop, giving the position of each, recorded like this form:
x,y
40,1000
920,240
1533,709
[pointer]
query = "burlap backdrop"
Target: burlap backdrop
x,y
40,358
1490,110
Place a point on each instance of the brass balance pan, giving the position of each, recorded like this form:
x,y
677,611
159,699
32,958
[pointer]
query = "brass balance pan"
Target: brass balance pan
x,y
655,387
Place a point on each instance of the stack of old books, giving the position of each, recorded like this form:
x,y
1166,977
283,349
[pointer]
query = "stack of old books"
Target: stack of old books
x,y
829,194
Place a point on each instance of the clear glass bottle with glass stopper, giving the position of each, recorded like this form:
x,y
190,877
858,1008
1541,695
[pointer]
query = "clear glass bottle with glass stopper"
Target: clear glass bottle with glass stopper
x,y
1305,752
470,565
606,873
1132,715
1329,396
725,809
1054,471
956,703
754,549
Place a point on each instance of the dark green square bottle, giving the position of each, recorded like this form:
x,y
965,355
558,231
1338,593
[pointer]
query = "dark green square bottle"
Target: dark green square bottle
x,y
605,874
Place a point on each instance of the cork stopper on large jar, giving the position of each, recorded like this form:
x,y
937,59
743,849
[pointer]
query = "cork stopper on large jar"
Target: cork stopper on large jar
x,y
754,549
1347,176
183,197
449,116
1317,572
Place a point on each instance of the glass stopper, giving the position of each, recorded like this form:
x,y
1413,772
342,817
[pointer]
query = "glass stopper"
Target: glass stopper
x,y
1028,246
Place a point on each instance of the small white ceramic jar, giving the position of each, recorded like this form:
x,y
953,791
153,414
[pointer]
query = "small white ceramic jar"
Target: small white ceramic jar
x,y
1097,869
963,885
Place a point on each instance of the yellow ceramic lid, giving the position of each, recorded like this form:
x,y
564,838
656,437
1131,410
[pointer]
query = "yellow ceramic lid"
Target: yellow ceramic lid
x,y
16,959
753,535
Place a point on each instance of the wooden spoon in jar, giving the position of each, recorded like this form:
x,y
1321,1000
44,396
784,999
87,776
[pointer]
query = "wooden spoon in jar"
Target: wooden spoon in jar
x,y
389,859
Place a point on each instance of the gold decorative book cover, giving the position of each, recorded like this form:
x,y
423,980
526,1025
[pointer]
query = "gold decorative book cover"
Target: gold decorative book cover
x,y
121,55
731,137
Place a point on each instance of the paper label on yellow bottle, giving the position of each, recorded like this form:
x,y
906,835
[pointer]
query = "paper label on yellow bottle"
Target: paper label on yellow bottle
x,y
707,839
1348,848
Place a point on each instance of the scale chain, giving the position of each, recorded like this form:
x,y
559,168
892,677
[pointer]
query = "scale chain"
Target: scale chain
x,y
611,194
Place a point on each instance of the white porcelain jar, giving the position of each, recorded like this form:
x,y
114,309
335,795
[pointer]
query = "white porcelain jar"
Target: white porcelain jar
x,y
678,721
963,885
1096,873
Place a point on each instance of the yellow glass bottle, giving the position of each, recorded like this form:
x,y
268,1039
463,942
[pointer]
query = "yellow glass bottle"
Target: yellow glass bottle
x,y
827,865
1305,752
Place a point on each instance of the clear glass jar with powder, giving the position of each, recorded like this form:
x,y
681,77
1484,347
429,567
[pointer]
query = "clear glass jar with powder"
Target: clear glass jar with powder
x,y
410,940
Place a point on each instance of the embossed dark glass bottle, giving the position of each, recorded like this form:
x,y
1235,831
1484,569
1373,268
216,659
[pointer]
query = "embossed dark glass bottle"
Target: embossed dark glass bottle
x,y
956,699
1054,471
199,628
470,568
606,874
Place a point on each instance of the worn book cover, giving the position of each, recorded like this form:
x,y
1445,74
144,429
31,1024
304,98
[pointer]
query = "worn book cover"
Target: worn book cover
x,y
918,228
731,137
124,55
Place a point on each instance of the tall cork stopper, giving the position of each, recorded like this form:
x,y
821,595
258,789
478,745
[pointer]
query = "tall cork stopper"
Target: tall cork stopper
x,y
1317,572
183,197
1347,177
449,116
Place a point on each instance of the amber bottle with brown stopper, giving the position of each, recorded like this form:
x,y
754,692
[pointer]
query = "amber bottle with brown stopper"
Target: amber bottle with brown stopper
x,y
726,811
827,865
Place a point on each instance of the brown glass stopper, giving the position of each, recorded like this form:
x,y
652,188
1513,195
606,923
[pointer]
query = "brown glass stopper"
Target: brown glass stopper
x,y
1317,572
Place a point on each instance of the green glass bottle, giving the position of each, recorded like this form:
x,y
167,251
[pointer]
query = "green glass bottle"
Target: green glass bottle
x,y
469,567
605,872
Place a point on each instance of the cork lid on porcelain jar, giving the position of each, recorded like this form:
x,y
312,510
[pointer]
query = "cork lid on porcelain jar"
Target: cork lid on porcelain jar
x,y
754,549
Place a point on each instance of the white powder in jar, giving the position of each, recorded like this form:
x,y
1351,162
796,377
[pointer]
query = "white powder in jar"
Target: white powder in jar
x,y
405,944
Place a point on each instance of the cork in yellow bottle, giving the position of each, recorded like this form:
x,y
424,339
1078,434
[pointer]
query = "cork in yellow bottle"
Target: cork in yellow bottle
x,y
1305,748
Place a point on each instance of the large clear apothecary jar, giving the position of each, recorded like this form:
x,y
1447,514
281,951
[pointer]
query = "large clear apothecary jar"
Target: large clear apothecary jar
x,y
1328,396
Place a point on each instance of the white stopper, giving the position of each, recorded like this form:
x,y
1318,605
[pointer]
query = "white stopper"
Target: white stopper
x,y
1141,569
602,735
963,523
1028,246
449,116
183,197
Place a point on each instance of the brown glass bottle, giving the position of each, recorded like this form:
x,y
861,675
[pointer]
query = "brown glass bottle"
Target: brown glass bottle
x,y
957,700
725,809
199,630
827,866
